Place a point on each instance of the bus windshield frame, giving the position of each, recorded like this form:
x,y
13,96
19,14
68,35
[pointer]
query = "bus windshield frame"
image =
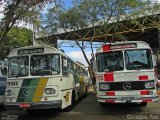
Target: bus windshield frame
x,y
41,64
133,59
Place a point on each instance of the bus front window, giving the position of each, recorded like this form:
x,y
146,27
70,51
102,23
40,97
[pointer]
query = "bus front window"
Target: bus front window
x,y
138,59
47,64
110,61
18,66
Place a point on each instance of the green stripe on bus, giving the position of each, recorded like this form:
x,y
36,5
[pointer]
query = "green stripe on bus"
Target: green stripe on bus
x,y
21,96
32,87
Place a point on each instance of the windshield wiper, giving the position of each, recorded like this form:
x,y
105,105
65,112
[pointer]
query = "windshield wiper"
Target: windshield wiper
x,y
19,74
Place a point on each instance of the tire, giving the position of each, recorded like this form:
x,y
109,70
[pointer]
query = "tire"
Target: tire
x,y
86,92
143,104
69,108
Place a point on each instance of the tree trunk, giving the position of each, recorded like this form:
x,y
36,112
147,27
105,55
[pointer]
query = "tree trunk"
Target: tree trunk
x,y
92,74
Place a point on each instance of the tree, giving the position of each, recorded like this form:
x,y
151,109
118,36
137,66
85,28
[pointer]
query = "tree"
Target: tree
x,y
17,37
103,17
16,11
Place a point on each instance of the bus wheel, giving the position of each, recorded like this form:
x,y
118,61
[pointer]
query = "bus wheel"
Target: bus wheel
x,y
69,108
86,92
143,104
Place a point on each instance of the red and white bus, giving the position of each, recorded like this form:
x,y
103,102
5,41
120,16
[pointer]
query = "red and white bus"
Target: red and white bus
x,y
125,73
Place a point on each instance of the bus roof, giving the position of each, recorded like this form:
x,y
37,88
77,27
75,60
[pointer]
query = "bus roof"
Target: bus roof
x,y
123,45
29,50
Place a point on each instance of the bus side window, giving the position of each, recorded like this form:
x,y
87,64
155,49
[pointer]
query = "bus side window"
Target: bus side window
x,y
64,67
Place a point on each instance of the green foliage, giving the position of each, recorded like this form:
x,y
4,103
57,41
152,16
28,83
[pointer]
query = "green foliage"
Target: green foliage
x,y
15,12
19,37
87,13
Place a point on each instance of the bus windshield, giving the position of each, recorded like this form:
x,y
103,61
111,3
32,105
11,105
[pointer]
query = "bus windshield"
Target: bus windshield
x,y
110,61
18,66
138,59
48,64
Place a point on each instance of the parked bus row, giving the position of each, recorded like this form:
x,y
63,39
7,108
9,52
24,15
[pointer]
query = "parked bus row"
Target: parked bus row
x,y
42,77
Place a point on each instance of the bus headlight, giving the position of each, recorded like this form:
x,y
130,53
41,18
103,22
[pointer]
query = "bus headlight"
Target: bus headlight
x,y
50,91
8,92
149,85
104,86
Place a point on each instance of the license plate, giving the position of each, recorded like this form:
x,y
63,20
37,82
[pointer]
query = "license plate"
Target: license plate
x,y
24,105
127,98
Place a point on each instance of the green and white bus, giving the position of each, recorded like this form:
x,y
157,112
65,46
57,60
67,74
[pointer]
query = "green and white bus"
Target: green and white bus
x,y
42,77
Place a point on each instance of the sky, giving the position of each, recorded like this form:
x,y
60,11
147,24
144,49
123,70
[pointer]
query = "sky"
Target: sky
x,y
68,3
1,9
74,53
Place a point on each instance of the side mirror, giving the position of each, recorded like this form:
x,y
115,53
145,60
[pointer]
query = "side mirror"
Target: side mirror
x,y
4,71
64,63
65,68
77,84
3,68
154,58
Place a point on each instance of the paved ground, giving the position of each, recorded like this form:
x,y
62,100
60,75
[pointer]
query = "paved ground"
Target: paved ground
x,y
88,109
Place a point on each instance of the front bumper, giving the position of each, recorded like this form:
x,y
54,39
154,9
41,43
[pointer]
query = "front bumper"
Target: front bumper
x,y
34,105
129,99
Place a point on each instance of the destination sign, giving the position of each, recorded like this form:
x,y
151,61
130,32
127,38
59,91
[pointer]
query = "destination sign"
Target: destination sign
x,y
30,51
123,46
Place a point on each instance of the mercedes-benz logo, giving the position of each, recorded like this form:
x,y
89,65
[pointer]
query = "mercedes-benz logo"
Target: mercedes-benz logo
x,y
127,86
26,92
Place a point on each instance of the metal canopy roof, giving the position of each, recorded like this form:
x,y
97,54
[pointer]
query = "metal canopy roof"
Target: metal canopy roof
x,y
96,33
